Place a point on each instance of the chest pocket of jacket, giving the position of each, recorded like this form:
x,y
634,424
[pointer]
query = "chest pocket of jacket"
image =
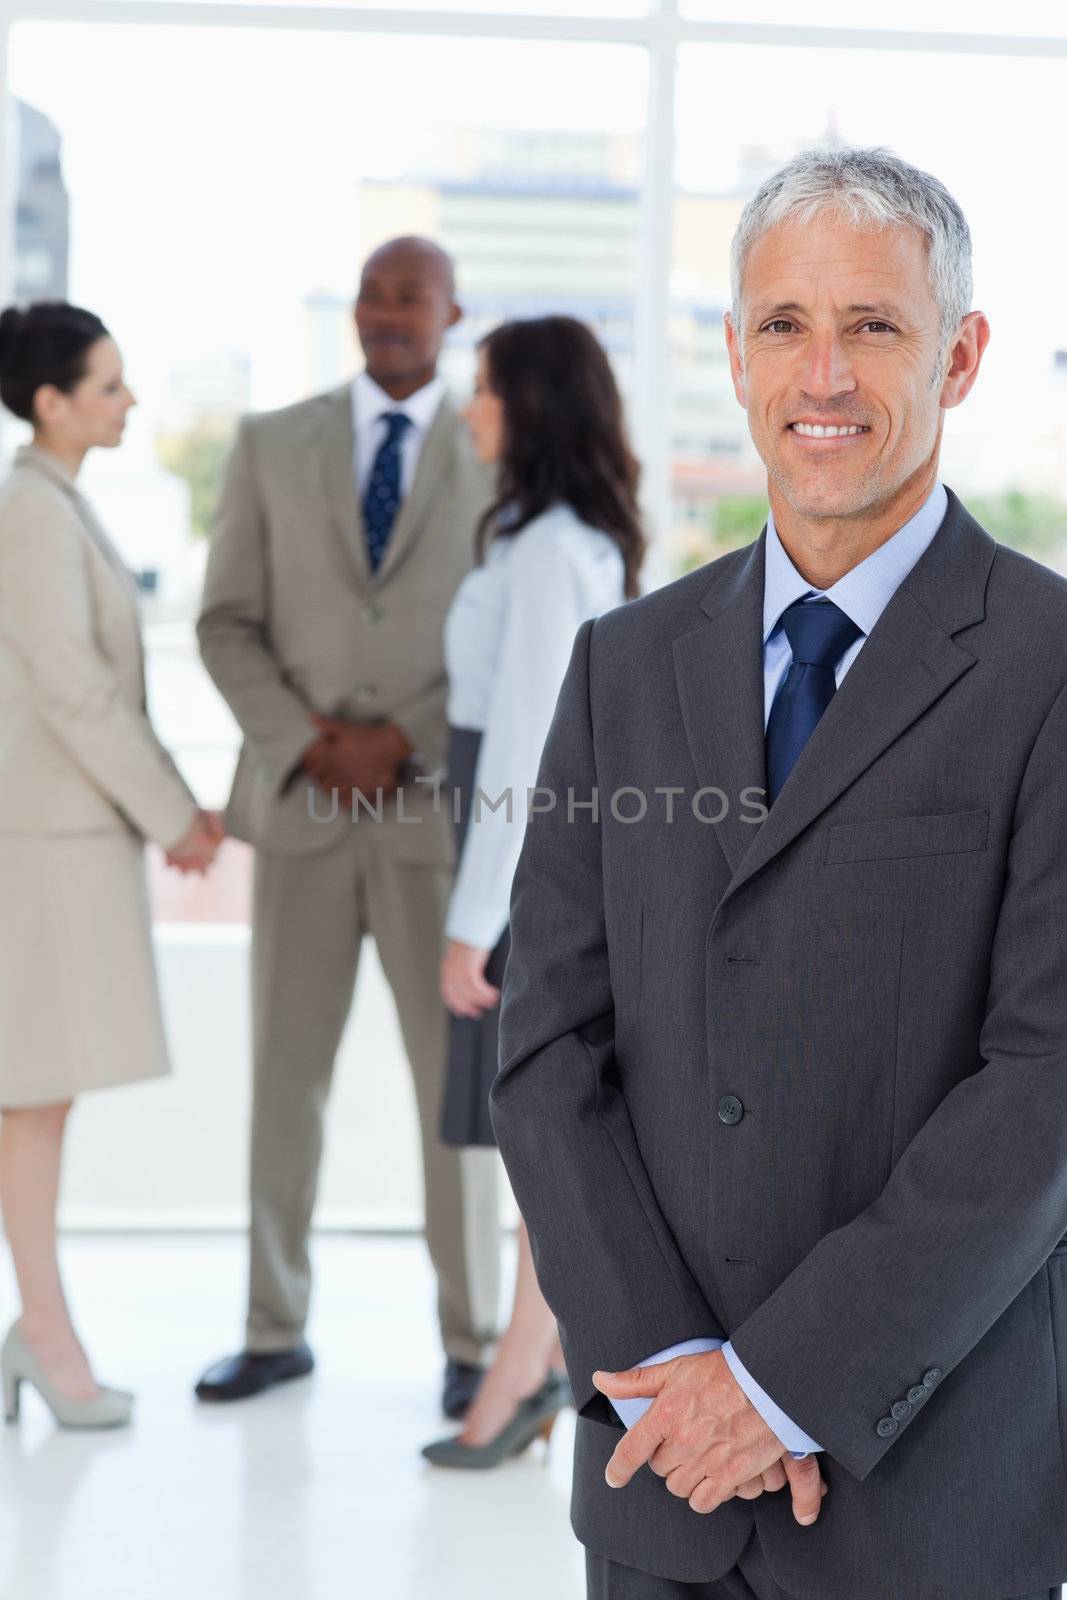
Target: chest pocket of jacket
x,y
890,838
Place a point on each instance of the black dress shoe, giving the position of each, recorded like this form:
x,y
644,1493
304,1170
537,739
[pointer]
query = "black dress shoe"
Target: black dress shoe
x,y
461,1385
252,1371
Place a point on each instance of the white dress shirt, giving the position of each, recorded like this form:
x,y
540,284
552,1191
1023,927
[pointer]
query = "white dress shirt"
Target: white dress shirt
x,y
369,405
508,639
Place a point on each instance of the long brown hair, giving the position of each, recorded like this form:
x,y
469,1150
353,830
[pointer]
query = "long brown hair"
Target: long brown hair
x,y
564,436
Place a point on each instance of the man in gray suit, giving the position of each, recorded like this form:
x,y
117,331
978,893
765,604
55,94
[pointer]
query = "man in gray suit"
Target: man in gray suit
x,y
783,1090
345,526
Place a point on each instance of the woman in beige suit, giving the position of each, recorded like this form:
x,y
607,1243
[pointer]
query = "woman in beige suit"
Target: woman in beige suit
x,y
83,782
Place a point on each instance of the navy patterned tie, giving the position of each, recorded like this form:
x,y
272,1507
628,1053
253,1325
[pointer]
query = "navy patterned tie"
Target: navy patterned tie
x,y
381,500
819,633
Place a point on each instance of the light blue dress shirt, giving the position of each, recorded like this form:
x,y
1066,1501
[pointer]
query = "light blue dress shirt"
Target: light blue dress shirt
x,y
862,594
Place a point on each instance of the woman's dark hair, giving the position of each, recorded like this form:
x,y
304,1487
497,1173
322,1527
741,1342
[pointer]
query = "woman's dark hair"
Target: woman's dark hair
x,y
564,435
48,342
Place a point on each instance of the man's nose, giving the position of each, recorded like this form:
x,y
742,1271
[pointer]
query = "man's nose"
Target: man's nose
x,y
827,369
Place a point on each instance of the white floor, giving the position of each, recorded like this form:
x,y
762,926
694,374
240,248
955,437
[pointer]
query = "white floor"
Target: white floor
x,y
315,1492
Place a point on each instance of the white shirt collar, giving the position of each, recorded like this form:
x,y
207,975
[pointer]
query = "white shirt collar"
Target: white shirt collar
x,y
370,403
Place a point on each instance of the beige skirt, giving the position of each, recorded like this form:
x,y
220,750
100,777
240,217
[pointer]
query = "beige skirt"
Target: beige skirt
x,y
79,999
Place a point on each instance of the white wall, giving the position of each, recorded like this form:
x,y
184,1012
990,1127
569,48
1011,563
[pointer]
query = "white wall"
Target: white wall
x,y
174,1153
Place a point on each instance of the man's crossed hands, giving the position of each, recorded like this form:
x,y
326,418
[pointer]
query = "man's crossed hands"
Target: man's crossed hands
x,y
705,1438
365,757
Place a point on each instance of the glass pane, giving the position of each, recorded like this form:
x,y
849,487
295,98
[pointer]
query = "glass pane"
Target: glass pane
x,y
1037,18
219,232
742,112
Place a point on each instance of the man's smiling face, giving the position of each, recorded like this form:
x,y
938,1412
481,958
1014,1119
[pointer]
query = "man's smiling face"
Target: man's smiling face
x,y
838,363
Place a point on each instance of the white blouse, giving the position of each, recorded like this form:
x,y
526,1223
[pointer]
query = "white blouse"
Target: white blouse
x,y
508,639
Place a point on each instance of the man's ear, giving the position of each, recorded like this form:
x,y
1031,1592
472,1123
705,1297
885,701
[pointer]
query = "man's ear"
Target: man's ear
x,y
964,359
455,315
737,365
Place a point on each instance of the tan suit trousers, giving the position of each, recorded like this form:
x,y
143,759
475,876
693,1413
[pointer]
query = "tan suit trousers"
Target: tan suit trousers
x,y
310,913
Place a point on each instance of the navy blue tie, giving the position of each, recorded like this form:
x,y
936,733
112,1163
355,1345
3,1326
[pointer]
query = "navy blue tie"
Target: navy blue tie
x,y
381,500
819,633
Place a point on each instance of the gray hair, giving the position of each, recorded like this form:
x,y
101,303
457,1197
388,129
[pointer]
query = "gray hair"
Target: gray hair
x,y
870,189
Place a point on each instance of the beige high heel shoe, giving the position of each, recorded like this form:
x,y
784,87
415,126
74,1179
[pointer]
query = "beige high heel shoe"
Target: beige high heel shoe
x,y
112,1408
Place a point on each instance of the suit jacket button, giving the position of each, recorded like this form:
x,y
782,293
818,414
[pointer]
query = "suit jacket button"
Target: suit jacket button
x,y
730,1109
916,1394
372,613
886,1428
901,1409
931,1377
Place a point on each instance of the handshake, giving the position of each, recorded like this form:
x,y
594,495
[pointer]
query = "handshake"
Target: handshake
x,y
198,846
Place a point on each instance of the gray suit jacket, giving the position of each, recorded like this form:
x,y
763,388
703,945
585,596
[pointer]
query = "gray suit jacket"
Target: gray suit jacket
x,y
294,621
878,974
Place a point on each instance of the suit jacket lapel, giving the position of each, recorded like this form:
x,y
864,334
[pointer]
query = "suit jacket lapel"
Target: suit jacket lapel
x,y
338,474
435,461
908,662
38,461
106,547
719,673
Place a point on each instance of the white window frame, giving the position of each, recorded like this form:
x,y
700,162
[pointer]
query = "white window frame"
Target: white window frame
x,y
661,33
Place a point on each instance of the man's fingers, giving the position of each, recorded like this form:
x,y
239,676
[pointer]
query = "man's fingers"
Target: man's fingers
x,y
806,1485
636,1447
638,1383
707,1496
684,1479
669,1456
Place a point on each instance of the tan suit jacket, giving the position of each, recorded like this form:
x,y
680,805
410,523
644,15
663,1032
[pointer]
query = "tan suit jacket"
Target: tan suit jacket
x,y
77,751
295,622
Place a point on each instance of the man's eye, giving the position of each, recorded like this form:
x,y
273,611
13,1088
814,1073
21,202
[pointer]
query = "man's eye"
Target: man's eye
x,y
878,327
779,325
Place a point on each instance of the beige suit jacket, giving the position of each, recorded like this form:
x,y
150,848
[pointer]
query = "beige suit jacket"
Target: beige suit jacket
x,y
295,622
77,751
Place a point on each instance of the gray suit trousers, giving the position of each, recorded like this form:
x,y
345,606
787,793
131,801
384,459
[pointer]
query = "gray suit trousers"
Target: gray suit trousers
x,y
310,913
749,1580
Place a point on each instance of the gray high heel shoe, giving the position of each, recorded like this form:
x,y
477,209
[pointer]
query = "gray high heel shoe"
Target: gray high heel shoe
x,y
535,1417
112,1408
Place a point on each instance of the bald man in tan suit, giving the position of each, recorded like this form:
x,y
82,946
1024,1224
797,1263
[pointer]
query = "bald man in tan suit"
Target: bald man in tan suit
x,y
345,525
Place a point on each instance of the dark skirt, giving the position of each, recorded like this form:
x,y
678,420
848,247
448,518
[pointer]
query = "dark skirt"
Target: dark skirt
x,y
472,1041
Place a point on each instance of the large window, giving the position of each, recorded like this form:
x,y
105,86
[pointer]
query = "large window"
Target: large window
x,y
212,189
209,180
223,187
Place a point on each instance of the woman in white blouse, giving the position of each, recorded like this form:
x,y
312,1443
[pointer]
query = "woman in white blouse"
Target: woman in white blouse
x,y
562,543
83,782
